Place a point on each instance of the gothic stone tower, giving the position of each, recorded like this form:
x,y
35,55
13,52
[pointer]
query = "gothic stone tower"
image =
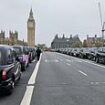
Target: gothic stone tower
x,y
2,37
31,30
13,36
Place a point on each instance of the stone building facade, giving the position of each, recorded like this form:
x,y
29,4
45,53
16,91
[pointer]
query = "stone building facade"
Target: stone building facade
x,y
12,39
2,37
93,41
64,42
31,30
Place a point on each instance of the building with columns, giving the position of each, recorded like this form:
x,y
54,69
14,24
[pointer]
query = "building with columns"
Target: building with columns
x,y
31,30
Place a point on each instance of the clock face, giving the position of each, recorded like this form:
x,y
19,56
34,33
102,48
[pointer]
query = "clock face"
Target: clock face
x,y
30,24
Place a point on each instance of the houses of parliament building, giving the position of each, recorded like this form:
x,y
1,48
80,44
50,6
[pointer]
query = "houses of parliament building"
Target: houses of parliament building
x,y
12,39
13,36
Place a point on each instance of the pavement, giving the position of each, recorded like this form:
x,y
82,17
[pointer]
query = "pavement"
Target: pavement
x,y
58,79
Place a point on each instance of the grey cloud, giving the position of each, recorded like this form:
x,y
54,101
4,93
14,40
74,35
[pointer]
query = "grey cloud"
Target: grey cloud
x,y
52,16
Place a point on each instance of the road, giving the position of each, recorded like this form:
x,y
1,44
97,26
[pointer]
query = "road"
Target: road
x,y
59,79
16,97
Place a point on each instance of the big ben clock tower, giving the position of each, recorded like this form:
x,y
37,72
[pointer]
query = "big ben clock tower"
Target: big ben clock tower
x,y
31,30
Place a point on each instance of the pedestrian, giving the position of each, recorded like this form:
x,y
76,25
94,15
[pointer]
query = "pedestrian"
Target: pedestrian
x,y
38,52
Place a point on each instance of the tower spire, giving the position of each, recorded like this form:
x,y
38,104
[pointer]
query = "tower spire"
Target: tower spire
x,y
31,14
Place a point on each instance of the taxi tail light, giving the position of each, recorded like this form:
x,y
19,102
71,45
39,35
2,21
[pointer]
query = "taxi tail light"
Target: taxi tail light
x,y
4,75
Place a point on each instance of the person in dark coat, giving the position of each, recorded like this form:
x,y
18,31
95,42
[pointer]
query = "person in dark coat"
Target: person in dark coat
x,y
38,52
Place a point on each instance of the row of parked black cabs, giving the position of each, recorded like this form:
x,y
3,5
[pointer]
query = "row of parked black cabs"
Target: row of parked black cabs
x,y
94,53
13,60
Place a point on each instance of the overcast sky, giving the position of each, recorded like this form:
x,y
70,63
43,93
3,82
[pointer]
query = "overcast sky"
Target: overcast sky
x,y
52,17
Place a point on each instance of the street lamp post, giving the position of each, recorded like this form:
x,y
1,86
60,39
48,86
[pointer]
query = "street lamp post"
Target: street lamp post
x,y
103,34
102,23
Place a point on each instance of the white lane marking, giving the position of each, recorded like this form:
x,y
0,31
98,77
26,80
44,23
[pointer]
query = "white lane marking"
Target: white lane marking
x,y
94,64
56,60
28,95
33,61
97,83
90,62
69,60
91,83
29,91
82,73
34,74
68,64
75,60
46,60
78,60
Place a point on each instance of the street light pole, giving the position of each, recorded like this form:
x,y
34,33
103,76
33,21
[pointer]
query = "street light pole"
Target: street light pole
x,y
100,13
103,34
102,23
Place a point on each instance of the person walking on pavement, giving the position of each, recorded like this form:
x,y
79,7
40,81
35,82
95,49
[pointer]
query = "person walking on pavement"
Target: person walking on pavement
x,y
38,52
